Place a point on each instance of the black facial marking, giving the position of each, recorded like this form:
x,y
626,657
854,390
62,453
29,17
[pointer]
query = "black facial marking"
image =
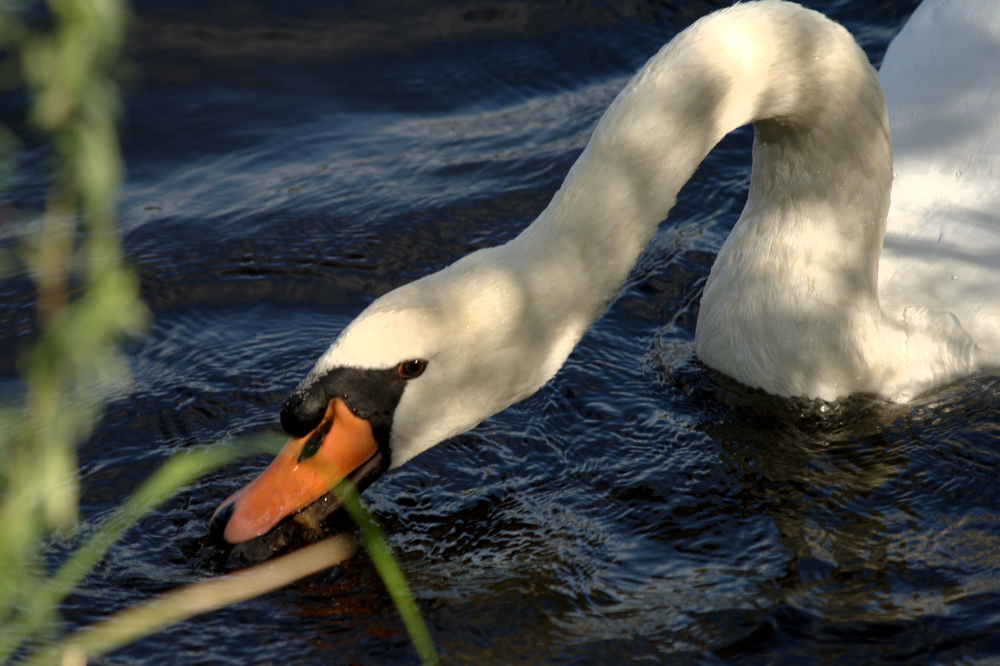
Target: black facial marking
x,y
370,394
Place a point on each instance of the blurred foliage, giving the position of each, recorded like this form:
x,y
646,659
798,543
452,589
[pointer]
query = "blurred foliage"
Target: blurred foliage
x,y
86,298
65,55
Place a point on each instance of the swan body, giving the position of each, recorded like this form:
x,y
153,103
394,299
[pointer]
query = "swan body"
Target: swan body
x,y
942,245
798,301
792,304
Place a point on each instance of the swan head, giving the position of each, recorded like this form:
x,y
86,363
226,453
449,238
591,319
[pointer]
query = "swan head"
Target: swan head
x,y
423,363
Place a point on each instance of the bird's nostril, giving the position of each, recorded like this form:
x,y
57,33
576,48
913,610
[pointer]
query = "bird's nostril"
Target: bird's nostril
x,y
310,448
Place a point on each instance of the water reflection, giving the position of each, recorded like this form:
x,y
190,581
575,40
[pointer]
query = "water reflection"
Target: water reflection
x,y
854,490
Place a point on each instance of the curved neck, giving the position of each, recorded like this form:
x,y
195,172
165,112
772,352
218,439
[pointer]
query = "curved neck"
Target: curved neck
x,y
821,172
797,75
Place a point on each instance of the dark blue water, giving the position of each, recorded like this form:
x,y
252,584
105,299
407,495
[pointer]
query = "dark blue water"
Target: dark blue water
x,y
290,162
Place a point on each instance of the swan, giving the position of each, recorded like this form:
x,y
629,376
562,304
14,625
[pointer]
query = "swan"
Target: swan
x,y
797,302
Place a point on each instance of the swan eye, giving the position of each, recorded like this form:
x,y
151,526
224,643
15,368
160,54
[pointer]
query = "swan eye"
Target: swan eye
x,y
411,369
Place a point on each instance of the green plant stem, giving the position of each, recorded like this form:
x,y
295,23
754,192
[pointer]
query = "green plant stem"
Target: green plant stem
x,y
208,595
388,569
177,472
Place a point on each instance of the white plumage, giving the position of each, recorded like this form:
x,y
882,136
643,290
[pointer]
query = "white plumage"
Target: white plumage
x,y
798,302
941,77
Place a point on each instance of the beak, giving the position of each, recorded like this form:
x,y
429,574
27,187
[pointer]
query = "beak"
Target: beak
x,y
305,469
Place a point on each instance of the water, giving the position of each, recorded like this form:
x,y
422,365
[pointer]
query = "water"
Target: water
x,y
288,164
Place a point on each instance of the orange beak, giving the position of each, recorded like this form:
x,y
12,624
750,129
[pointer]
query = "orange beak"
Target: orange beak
x,y
304,470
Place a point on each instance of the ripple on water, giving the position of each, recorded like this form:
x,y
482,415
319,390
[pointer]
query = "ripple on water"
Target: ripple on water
x,y
639,506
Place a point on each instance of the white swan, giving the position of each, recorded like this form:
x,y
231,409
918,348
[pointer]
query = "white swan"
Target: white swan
x,y
793,301
941,77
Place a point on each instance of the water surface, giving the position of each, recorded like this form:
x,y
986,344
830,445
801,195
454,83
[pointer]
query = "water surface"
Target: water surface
x,y
289,163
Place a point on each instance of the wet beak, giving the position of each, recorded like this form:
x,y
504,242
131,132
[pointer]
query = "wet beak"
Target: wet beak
x,y
305,469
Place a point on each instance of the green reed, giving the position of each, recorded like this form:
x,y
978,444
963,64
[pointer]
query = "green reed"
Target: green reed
x,y
86,298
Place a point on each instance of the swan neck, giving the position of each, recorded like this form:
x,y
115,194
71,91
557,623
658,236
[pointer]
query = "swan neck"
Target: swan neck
x,y
774,64
820,181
